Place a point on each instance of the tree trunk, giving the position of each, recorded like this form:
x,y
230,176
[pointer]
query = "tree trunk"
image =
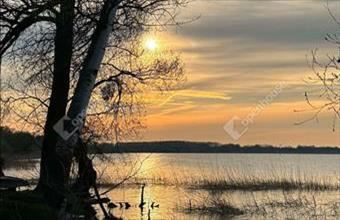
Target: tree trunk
x,y
88,74
87,78
87,175
93,60
54,170
85,84
1,165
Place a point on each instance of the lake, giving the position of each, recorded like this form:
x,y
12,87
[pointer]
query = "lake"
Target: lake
x,y
197,186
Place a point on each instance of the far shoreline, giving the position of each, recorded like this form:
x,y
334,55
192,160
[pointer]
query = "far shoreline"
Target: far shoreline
x,y
23,145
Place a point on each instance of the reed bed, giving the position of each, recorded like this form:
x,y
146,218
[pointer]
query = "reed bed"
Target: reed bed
x,y
286,206
231,181
255,184
211,205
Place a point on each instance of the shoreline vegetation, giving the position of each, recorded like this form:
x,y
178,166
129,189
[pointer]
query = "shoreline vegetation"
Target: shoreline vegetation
x,y
225,185
26,143
228,181
284,206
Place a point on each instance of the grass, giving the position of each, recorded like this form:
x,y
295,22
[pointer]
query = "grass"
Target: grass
x,y
286,206
261,184
225,183
214,183
218,178
295,206
234,179
212,206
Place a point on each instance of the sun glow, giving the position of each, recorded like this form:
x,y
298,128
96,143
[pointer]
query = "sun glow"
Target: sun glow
x,y
151,44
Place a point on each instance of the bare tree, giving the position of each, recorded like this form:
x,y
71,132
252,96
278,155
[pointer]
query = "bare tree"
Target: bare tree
x,y
56,49
325,82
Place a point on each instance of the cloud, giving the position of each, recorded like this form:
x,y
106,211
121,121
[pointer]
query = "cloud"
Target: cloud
x,y
243,48
194,94
235,54
270,21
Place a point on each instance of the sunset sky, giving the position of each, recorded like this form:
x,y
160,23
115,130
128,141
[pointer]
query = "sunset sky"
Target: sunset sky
x,y
235,54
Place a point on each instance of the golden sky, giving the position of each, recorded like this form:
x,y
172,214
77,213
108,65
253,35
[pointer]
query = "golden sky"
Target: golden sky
x,y
236,54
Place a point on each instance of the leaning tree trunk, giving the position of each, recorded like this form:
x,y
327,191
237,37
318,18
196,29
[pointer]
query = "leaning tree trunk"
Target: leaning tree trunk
x,y
88,74
53,168
85,84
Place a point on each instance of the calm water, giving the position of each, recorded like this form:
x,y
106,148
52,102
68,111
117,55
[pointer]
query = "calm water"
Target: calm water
x,y
168,178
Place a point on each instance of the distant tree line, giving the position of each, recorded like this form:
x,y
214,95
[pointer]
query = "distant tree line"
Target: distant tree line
x,y
24,142
207,147
18,142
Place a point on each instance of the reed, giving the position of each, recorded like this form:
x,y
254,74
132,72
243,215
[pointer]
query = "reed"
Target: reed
x,y
211,205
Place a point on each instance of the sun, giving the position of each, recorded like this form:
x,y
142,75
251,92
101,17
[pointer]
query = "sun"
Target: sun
x,y
151,44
